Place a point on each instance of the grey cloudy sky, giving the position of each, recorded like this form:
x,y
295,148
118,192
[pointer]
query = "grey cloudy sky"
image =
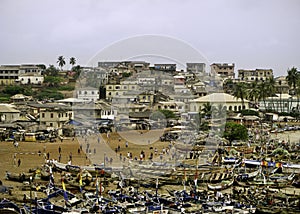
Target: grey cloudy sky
x,y
252,34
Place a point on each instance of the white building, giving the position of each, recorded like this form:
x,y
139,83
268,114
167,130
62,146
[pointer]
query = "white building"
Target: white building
x,y
88,93
26,79
230,102
280,103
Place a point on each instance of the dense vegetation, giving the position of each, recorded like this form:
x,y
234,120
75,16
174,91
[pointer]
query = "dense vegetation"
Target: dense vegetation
x,y
234,131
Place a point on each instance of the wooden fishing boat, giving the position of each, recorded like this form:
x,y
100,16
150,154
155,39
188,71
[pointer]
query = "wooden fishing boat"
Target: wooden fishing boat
x,y
9,207
19,177
247,176
217,177
59,166
221,186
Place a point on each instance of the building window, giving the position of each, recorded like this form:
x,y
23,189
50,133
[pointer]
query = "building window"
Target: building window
x,y
51,115
43,115
85,92
51,124
93,92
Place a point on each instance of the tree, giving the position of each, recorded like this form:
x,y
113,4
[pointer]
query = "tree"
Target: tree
x,y
167,113
61,61
253,92
219,111
206,110
292,77
48,93
77,70
270,87
72,61
52,80
240,92
263,92
51,71
234,131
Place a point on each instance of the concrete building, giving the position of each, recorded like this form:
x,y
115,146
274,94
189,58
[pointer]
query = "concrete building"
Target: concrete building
x,y
51,115
27,79
179,84
230,102
171,106
255,75
197,67
87,93
165,67
223,70
281,85
116,90
9,74
280,103
8,113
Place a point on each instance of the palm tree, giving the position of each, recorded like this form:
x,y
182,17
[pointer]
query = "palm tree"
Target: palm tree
x,y
280,96
240,92
293,77
263,92
206,110
61,61
270,84
219,111
253,92
72,61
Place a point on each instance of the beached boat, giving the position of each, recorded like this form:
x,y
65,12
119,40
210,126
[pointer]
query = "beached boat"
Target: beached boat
x,y
19,177
221,186
59,166
217,177
9,207
247,176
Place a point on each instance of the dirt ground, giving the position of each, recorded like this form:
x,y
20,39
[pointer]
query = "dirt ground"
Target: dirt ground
x,y
103,145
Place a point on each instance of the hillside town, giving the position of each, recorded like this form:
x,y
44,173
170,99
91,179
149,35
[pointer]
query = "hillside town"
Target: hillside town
x,y
213,138
38,98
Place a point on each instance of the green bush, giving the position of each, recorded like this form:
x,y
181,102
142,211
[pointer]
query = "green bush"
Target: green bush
x,y
234,131
249,112
48,94
66,88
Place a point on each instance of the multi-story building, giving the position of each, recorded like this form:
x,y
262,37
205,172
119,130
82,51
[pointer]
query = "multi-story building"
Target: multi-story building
x,y
51,115
196,67
116,90
26,79
255,75
165,67
108,64
179,84
11,74
224,70
281,85
87,93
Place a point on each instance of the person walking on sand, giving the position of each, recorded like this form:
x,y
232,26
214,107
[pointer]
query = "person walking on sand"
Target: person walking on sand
x,y
19,162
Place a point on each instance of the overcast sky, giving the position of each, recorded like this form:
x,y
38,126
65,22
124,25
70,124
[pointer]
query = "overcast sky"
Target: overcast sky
x,y
251,34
